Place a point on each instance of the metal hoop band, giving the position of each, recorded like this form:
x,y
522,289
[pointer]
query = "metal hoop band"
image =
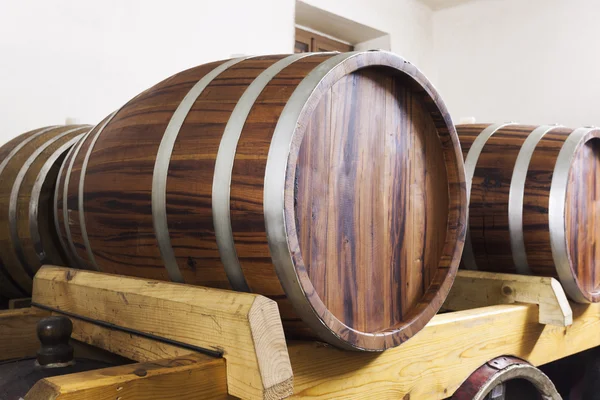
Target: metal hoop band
x,y
161,169
468,257
516,197
556,213
221,190
14,196
35,199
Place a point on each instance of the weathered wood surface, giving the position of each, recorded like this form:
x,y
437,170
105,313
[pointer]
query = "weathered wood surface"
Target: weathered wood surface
x,y
124,344
18,338
433,364
190,377
245,328
507,378
364,224
475,289
568,253
29,166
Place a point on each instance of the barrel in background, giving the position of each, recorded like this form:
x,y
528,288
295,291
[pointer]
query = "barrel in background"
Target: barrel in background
x,y
29,167
535,203
332,183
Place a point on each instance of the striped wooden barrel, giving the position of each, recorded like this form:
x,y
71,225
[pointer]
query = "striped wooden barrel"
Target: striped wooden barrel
x,y
332,183
29,167
535,203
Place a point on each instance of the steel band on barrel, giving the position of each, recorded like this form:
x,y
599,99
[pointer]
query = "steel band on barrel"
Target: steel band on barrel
x,y
468,257
14,196
161,169
516,196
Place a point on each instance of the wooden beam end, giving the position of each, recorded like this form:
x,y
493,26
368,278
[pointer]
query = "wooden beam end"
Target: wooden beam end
x,y
271,348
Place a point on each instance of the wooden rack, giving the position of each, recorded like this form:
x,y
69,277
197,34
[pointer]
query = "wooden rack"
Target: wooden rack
x,y
198,343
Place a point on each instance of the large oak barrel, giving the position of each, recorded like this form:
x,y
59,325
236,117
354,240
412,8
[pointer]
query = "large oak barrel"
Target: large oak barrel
x,y
29,167
535,203
332,183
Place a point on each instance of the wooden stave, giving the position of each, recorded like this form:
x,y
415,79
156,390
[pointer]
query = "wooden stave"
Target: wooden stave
x,y
20,176
8,287
545,254
37,233
276,291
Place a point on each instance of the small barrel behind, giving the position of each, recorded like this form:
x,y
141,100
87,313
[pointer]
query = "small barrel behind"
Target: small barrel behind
x,y
29,167
507,378
332,183
535,203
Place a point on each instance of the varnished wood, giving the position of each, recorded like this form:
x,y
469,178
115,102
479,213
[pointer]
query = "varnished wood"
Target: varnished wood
x,y
128,345
245,328
489,204
383,131
358,225
22,257
583,216
188,377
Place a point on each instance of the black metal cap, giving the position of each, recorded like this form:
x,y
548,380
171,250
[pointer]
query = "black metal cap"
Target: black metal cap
x,y
54,333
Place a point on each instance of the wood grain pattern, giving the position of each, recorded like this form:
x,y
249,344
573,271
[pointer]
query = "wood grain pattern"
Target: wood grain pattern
x,y
399,151
128,345
476,289
520,381
583,216
27,231
245,328
178,378
535,203
433,364
359,227
18,337
488,209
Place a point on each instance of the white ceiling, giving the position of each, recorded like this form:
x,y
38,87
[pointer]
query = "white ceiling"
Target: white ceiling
x,y
439,4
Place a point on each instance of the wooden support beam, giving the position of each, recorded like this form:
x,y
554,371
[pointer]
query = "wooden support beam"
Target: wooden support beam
x,y
474,289
19,303
190,377
131,346
18,337
433,364
246,328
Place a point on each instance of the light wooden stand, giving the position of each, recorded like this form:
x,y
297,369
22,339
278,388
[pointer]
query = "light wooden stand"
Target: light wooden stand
x,y
198,343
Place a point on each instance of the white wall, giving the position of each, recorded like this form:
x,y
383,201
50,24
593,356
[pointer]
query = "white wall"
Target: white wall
x,y
409,23
532,61
83,59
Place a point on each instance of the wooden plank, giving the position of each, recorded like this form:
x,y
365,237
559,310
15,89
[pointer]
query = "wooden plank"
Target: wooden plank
x,y
18,337
133,347
475,289
189,377
19,303
433,364
245,327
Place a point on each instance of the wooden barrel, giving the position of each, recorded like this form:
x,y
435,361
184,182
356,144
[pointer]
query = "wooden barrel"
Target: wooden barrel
x,y
535,203
29,167
508,378
332,183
